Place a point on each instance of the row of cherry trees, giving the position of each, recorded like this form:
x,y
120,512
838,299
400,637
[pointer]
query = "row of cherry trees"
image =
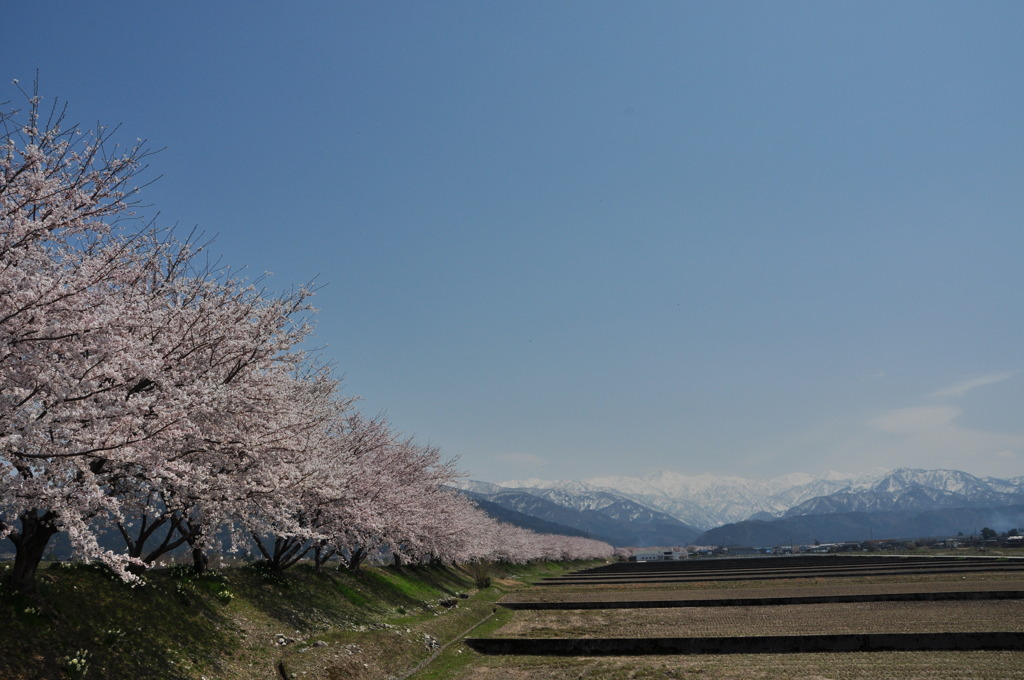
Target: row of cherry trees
x,y
147,392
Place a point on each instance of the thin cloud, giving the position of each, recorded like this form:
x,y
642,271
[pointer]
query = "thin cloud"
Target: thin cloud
x,y
915,419
963,387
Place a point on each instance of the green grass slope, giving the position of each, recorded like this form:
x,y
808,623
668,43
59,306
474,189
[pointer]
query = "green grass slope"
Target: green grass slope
x,y
246,622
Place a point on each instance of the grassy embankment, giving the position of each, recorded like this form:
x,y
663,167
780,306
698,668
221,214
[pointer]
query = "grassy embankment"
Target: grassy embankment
x,y
245,623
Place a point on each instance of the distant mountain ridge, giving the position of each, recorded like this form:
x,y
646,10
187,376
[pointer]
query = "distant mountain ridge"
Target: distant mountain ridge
x,y
707,501
863,526
666,507
523,520
598,514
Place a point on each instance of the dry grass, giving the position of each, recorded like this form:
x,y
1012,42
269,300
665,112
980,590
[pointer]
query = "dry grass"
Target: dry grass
x,y
923,583
855,666
811,619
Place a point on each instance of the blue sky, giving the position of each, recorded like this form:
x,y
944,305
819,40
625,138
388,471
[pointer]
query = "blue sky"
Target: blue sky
x,y
568,239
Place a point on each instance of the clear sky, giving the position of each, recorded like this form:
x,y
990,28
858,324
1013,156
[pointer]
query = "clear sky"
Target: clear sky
x,y
578,238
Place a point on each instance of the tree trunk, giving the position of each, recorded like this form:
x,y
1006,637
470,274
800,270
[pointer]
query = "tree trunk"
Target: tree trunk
x,y
321,553
288,550
30,543
194,531
200,560
355,558
147,529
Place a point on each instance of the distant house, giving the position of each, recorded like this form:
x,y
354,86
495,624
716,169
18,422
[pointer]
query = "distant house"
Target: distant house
x,y
659,555
743,551
819,548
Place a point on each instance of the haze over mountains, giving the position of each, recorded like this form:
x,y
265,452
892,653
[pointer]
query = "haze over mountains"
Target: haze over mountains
x,y
667,508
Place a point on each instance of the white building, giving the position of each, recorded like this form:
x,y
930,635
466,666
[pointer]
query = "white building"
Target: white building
x,y
659,555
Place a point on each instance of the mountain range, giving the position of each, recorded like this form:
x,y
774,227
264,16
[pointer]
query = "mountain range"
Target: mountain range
x,y
668,508
600,514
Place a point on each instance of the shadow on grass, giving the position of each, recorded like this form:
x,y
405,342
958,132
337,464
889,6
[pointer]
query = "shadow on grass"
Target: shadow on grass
x,y
412,586
302,597
165,633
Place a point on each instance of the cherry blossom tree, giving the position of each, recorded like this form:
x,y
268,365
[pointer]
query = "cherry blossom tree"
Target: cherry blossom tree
x,y
70,392
146,390
306,465
130,376
386,490
263,481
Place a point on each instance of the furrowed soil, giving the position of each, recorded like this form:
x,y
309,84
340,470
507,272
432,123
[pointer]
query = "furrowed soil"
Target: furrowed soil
x,y
840,619
850,666
765,620
776,589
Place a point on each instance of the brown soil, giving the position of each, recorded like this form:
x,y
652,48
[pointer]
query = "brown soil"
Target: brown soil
x,y
735,589
837,619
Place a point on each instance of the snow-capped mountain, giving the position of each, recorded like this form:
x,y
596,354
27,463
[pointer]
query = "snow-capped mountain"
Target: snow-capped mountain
x,y
600,514
707,501
704,501
909,490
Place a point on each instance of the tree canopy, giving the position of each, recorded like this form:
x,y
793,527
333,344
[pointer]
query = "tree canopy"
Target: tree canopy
x,y
145,390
